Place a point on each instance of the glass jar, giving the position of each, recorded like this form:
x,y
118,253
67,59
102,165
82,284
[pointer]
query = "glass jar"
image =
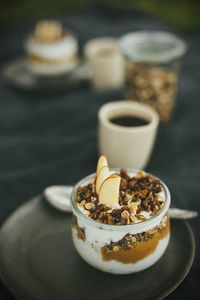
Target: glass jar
x,y
101,244
152,63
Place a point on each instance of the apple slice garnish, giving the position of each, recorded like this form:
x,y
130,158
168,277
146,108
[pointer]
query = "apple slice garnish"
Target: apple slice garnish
x,y
102,175
109,191
102,162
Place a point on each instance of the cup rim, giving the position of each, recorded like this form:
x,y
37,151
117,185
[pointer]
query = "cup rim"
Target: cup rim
x,y
137,226
110,106
99,42
133,39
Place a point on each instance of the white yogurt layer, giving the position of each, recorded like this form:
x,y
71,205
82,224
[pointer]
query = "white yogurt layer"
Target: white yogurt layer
x,y
66,47
94,258
99,235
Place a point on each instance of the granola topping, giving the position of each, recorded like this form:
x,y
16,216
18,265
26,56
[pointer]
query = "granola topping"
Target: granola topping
x,y
140,197
48,31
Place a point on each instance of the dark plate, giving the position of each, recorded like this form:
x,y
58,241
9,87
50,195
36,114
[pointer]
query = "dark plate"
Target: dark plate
x,y
16,74
39,261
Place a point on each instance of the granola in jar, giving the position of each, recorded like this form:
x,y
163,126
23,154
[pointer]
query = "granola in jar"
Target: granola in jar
x,y
152,62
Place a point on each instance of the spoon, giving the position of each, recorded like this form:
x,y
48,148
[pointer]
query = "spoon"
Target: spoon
x,y
59,197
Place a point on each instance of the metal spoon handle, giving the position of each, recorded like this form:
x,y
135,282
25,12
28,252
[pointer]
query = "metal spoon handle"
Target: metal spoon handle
x,y
176,213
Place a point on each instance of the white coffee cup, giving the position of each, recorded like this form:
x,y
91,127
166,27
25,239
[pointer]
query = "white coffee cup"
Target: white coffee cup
x,y
105,62
127,147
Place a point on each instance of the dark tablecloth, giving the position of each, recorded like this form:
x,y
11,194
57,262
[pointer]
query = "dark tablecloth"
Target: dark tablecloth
x,y
51,138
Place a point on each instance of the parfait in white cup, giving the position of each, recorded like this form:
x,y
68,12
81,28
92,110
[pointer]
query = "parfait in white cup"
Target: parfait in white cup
x,y
120,220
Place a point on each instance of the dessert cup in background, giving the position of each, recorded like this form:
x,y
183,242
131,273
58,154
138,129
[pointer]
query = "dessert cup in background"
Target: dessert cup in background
x,y
127,147
120,249
105,62
51,50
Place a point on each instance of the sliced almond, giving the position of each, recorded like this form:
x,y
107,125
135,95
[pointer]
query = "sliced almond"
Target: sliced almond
x,y
133,207
102,162
109,191
102,175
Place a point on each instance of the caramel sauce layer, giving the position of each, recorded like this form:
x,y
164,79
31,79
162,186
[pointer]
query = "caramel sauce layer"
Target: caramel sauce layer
x,y
138,250
38,59
80,231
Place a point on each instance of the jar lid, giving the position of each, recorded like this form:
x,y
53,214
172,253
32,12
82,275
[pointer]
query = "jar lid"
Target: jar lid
x,y
151,46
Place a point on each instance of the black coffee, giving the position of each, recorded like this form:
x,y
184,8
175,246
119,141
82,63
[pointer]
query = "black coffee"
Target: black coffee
x,y
129,121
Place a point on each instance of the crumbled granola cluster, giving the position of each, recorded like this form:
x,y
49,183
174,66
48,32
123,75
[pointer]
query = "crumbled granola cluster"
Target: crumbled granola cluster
x,y
137,194
154,86
130,240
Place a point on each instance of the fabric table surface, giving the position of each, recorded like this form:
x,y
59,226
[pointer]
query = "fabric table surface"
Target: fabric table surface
x,y
51,138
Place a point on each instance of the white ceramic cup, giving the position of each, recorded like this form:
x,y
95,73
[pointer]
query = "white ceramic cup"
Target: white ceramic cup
x,y
105,62
127,147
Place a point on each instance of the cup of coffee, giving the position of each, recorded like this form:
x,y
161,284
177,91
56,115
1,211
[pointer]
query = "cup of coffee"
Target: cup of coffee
x,y
126,133
105,62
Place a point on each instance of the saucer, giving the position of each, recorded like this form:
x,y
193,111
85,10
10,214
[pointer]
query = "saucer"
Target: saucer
x,y
38,260
16,74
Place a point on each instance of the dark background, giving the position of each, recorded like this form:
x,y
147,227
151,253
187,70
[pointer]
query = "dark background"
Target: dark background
x,y
50,138
181,14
